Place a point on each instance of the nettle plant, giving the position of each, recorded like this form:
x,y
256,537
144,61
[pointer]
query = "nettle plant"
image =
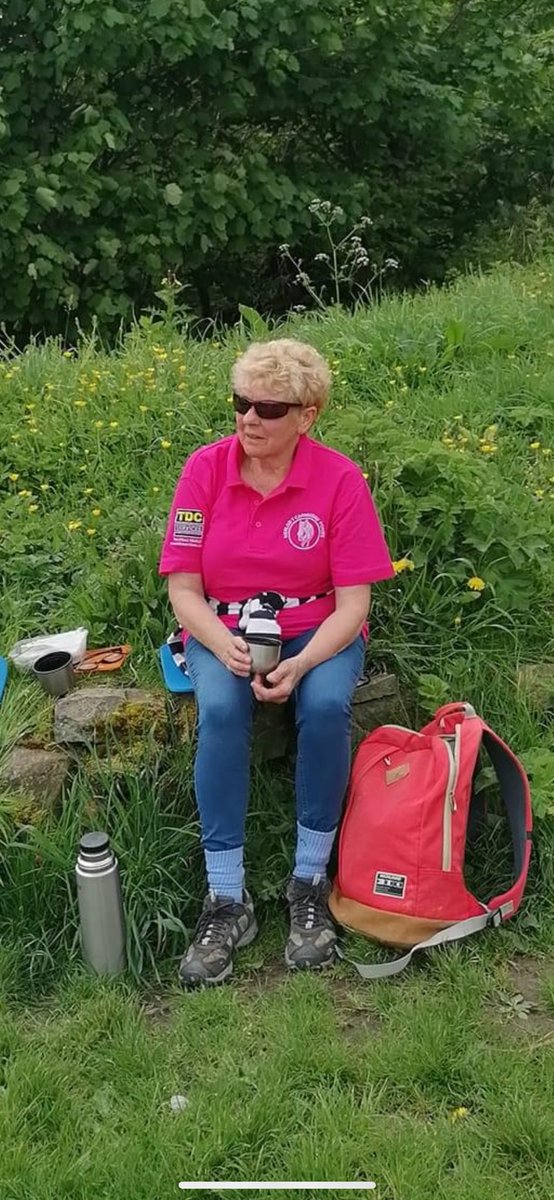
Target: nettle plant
x,y
345,271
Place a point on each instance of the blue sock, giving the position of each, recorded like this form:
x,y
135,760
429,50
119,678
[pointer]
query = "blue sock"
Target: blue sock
x,y
225,872
313,849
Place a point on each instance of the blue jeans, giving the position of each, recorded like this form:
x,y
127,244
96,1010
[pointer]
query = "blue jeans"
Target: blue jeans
x,y
225,702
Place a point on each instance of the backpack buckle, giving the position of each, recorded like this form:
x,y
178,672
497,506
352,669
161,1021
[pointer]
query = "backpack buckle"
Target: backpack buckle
x,y
496,918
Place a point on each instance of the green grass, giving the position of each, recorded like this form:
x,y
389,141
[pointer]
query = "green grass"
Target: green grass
x,y
287,1078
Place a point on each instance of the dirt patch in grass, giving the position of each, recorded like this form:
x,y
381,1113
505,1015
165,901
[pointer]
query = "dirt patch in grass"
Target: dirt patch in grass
x,y
266,978
521,1006
354,1018
158,1010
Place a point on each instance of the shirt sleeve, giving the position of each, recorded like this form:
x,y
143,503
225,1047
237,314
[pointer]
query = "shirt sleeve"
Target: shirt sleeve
x,y
188,519
358,550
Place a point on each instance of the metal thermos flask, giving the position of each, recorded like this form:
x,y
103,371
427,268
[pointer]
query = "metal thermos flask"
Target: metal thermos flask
x,y
100,905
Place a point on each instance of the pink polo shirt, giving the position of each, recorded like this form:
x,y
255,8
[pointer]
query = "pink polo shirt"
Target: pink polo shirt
x,y
317,530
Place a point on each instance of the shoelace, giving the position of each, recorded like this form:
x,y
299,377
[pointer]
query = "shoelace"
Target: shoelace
x,y
310,910
213,924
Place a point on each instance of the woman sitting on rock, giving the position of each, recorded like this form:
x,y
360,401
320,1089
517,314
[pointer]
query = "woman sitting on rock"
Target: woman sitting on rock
x,y
270,532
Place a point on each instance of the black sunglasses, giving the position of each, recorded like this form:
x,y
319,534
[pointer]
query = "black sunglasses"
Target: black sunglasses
x,y
266,410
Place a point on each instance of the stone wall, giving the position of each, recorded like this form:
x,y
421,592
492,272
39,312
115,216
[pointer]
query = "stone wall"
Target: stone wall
x,y
103,716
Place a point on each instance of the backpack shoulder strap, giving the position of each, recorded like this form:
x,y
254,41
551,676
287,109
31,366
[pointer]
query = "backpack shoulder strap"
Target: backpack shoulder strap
x,y
516,797
452,933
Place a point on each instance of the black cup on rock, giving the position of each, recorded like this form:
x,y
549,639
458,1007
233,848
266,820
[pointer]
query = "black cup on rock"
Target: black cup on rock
x,y
55,672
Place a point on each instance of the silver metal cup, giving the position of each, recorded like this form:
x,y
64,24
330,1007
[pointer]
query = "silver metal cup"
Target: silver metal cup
x,y
264,655
55,672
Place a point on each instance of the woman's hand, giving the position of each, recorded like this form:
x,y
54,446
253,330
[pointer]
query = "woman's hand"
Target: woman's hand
x,y
280,683
234,653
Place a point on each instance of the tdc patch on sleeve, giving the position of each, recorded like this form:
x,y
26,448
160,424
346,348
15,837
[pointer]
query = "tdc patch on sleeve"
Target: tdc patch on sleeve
x,y
188,527
389,884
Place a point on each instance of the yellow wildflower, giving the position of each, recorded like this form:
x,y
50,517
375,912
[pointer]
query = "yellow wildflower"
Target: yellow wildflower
x,y
539,493
165,444
96,512
228,398
422,370
458,417
546,451
33,508
79,403
143,407
98,424
68,353
488,448
45,487
114,424
155,489
91,532
457,620
74,525
13,476
365,474
403,564
458,1114
476,584
534,445
88,491
207,432
24,493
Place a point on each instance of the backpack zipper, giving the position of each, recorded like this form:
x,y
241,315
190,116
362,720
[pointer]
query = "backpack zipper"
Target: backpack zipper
x,y
381,755
404,728
450,795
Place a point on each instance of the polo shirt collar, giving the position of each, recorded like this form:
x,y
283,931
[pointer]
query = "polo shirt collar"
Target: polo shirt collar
x,y
298,476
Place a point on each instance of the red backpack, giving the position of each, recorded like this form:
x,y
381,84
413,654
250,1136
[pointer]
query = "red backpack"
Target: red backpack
x,y
403,838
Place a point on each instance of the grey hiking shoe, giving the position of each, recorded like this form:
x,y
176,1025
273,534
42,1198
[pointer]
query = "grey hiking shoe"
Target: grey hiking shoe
x,y
312,937
223,926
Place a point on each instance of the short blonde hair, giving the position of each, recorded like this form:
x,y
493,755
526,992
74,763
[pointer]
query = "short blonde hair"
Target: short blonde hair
x,y
289,369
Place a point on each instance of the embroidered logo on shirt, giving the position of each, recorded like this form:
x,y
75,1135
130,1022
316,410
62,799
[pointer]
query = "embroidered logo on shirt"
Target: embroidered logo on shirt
x,y
304,531
188,526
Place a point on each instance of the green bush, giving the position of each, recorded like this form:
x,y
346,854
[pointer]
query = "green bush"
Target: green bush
x,y
191,135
